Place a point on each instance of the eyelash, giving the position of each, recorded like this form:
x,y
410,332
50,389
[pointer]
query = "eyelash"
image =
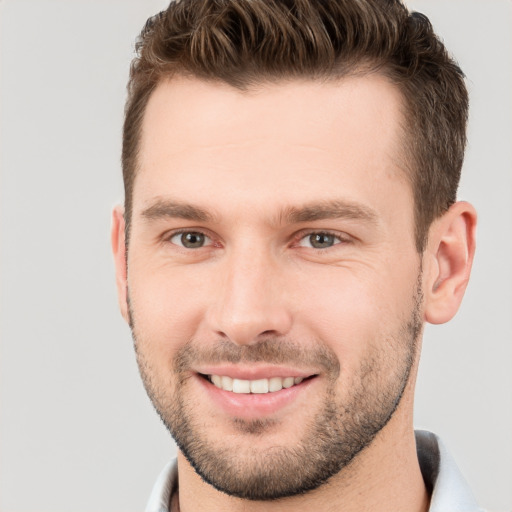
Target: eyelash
x,y
341,239
169,236
301,236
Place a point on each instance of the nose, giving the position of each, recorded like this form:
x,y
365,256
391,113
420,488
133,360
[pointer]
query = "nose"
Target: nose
x,y
251,303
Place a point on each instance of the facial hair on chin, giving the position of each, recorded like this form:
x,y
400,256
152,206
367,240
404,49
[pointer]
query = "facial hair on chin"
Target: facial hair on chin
x,y
333,436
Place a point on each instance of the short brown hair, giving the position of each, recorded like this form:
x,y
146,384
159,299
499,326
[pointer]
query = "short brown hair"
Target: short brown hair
x,y
248,42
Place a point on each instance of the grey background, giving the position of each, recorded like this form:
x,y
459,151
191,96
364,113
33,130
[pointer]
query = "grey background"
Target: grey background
x,y
77,432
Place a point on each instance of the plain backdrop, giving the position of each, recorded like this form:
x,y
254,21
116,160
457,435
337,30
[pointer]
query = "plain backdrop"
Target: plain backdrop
x,y
77,432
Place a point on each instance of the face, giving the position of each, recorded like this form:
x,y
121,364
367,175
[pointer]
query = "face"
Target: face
x,y
273,280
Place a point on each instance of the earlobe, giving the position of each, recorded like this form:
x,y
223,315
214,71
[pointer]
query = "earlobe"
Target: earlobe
x,y
448,260
117,236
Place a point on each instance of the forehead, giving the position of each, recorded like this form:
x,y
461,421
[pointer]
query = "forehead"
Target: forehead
x,y
306,140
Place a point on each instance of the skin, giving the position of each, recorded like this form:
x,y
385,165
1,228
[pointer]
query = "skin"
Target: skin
x,y
246,160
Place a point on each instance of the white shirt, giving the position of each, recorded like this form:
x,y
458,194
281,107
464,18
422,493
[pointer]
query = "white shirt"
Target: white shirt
x,y
449,490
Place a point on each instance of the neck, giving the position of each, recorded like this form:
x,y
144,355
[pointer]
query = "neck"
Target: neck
x,y
385,476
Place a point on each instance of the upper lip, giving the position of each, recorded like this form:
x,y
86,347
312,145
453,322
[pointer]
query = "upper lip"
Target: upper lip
x,y
253,372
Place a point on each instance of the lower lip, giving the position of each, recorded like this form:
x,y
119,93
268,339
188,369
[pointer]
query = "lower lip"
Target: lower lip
x,y
254,405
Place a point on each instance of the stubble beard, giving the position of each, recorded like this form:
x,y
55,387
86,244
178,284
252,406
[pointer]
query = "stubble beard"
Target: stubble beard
x,y
332,438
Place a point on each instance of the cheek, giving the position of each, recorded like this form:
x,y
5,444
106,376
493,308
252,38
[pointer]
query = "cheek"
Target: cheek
x,y
354,312
167,305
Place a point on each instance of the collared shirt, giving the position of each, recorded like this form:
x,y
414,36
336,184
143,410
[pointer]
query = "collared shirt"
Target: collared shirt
x,y
449,491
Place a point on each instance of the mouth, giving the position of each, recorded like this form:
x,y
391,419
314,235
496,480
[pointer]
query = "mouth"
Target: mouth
x,y
256,386
253,394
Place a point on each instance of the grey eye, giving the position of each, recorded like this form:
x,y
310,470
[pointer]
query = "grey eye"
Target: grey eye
x,y
190,239
321,240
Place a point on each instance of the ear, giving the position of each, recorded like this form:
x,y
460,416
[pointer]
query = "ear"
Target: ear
x,y
117,236
447,262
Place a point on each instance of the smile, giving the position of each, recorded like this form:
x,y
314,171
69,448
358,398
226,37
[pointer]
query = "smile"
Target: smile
x,y
254,393
258,386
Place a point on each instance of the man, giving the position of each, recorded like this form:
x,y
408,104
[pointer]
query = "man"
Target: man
x,y
290,224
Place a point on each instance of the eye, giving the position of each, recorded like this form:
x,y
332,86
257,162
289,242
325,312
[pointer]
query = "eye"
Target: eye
x,y
190,239
320,240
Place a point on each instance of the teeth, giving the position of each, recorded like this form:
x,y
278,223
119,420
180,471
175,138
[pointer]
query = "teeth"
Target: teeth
x,y
217,380
241,386
259,386
275,384
226,383
288,382
254,386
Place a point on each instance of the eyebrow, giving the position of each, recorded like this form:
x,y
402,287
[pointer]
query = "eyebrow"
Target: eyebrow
x,y
323,210
336,209
171,209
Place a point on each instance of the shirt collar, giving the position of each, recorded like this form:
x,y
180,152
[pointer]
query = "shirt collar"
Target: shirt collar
x,y
165,486
449,491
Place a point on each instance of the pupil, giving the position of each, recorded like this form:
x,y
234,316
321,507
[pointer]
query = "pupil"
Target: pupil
x,y
321,240
192,240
